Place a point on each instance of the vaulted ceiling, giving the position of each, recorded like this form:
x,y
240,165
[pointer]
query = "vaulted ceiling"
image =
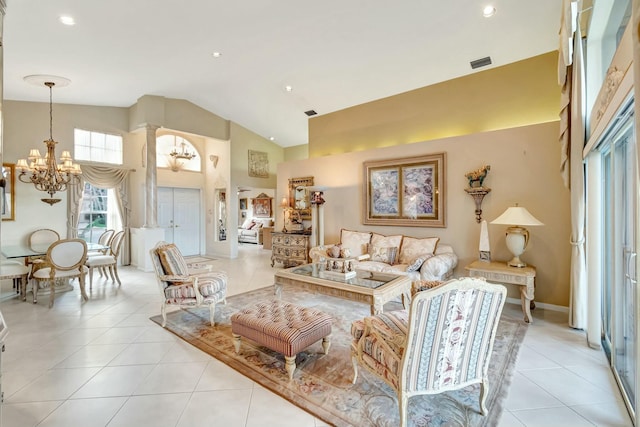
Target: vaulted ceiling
x,y
332,54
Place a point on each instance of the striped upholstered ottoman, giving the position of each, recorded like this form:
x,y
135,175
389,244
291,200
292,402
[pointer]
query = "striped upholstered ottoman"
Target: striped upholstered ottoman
x,y
283,327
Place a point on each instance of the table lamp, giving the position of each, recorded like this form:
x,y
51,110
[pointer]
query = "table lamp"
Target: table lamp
x,y
284,204
517,236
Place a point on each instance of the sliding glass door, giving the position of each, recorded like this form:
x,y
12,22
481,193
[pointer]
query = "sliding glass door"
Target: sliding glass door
x,y
619,308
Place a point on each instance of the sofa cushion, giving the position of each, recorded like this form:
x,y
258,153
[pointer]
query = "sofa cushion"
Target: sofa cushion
x,y
380,242
412,248
247,223
356,241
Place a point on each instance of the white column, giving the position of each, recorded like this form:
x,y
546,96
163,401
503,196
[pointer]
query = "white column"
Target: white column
x,y
314,225
321,224
151,179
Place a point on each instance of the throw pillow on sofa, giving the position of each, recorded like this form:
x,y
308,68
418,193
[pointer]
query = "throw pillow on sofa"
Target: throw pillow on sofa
x,y
247,223
417,262
379,241
382,254
412,248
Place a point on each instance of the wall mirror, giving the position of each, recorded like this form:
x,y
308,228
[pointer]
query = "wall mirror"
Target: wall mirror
x,y
7,183
300,196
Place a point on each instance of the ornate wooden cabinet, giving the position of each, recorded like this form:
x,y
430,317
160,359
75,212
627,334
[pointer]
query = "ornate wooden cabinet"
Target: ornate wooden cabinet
x,y
289,249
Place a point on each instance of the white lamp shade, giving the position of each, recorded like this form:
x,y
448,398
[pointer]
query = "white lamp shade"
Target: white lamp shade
x,y
516,215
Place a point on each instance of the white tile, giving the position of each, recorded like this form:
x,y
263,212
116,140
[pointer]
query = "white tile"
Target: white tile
x,y
185,352
84,412
161,410
569,388
218,376
27,414
92,355
525,394
227,408
142,353
507,419
551,417
119,335
605,414
156,334
114,381
268,409
55,384
172,378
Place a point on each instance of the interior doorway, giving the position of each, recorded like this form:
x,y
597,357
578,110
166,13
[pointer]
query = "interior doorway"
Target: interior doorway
x,y
180,217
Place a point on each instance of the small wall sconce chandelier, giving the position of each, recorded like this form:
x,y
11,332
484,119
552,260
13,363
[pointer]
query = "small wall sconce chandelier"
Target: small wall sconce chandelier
x,y
44,172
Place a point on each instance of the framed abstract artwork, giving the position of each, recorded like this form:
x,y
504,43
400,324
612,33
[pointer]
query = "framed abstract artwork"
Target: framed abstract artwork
x,y
258,164
405,192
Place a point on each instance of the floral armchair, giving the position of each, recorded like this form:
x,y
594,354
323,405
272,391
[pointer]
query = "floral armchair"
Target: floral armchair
x,y
444,342
181,286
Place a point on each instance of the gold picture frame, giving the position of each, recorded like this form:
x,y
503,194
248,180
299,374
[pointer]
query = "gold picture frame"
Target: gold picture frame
x,y
407,192
300,196
8,185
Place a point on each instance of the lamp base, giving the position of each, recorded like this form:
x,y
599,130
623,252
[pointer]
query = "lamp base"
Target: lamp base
x,y
516,262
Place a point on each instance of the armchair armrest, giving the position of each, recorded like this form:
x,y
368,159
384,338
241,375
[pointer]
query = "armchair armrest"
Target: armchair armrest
x,y
439,267
319,253
174,278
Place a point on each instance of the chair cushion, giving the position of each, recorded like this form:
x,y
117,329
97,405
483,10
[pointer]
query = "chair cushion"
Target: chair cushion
x,y
172,261
412,248
356,241
98,260
44,273
212,284
184,295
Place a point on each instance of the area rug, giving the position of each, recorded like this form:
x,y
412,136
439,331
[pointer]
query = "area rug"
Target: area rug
x,y
322,383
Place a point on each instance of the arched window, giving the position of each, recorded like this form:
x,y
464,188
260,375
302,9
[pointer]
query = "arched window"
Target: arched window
x,y
176,153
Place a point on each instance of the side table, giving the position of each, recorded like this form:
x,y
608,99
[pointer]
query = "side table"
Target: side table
x,y
500,272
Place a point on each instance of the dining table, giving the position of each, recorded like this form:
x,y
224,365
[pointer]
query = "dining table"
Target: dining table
x,y
26,251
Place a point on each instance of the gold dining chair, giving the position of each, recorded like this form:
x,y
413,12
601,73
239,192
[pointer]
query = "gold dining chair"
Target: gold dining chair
x,y
65,260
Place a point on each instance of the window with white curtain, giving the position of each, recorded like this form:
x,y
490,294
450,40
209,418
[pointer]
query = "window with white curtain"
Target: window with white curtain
x,y
97,147
98,213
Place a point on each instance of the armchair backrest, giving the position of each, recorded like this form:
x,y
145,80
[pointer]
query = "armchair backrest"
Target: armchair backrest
x,y
451,333
168,260
67,254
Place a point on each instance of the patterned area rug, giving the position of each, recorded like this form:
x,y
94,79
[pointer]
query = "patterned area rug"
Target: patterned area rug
x,y
322,383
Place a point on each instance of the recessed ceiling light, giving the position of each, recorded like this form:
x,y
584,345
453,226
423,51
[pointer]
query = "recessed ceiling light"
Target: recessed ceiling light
x,y
288,88
271,138
216,54
67,20
488,11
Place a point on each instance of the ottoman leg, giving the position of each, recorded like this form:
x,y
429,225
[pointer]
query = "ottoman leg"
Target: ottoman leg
x,y
290,365
326,344
236,342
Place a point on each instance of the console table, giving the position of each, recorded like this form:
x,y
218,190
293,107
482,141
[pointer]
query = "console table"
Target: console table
x,y
289,248
500,272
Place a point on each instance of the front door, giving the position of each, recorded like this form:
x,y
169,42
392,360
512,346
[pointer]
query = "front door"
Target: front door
x,y
179,215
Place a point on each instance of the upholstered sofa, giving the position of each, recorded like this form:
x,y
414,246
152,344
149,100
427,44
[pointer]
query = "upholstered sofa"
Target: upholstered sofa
x,y
251,230
420,258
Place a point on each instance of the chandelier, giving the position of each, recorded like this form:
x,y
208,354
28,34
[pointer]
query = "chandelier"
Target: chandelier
x,y
44,172
184,153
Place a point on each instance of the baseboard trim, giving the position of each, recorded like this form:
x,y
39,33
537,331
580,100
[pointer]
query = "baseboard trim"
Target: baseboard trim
x,y
542,305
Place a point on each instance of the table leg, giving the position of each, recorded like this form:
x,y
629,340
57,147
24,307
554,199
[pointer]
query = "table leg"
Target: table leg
x,y
526,304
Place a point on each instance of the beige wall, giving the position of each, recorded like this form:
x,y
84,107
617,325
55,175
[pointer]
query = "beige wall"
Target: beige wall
x,y
298,152
518,94
524,169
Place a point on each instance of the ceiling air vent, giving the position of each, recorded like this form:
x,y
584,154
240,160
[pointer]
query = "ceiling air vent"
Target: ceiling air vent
x,y
310,113
482,62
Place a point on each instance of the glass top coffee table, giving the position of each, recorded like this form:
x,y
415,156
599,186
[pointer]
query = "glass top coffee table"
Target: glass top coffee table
x,y
370,287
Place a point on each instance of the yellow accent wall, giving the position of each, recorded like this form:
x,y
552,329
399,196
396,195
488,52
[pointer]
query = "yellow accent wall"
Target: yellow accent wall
x,y
518,94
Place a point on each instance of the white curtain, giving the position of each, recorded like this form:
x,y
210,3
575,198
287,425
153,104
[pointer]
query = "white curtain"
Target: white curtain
x,y
578,313
572,139
103,177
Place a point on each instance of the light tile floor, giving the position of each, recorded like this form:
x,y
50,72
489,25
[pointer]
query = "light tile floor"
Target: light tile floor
x,y
104,363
